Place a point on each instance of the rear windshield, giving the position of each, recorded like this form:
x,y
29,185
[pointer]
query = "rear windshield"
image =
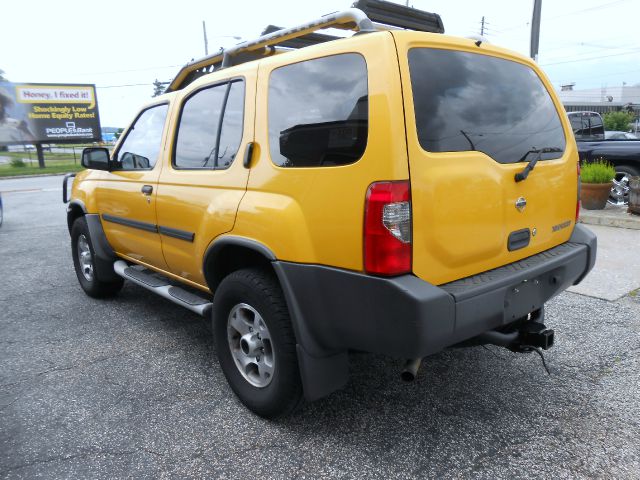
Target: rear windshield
x,y
586,125
467,101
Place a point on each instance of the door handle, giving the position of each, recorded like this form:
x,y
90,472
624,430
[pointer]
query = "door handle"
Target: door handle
x,y
147,189
248,153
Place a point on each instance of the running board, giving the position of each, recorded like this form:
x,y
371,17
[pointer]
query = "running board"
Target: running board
x,y
163,287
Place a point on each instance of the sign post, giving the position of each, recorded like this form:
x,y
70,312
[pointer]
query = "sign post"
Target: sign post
x,y
40,154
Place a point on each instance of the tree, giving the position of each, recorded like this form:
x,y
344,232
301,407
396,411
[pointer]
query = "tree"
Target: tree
x,y
618,121
158,87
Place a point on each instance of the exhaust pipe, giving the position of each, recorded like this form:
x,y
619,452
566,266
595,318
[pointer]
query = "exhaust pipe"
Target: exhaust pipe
x,y
410,370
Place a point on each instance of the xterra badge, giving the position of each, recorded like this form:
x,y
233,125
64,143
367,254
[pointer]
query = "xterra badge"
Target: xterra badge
x,y
560,226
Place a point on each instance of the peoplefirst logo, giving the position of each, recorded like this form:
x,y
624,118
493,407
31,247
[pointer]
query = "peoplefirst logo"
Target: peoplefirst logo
x,y
69,130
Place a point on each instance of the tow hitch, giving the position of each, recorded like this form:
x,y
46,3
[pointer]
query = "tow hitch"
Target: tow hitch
x,y
529,336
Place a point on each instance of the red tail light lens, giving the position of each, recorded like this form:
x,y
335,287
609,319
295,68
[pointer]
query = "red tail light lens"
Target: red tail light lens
x,y
387,228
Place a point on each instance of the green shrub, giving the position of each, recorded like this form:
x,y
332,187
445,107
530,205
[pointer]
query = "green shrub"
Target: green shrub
x,y
598,171
18,163
617,121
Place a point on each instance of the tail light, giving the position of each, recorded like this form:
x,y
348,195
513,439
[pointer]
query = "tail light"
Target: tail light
x,y
578,201
387,228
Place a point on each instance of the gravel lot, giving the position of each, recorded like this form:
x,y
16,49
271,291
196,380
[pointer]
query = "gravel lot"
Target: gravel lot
x,y
131,387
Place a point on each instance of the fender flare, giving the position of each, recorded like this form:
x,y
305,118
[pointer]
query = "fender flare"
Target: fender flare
x,y
322,371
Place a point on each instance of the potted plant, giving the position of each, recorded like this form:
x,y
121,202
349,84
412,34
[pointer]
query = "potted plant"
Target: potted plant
x,y
596,181
634,195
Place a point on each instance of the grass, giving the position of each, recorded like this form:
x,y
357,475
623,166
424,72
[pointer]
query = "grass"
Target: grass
x,y
54,163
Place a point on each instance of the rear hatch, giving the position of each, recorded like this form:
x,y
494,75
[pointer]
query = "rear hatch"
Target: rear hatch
x,y
475,117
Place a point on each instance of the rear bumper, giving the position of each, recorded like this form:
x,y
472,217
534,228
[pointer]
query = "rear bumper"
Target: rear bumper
x,y
336,310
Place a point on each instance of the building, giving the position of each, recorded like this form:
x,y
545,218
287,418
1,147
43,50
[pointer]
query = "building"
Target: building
x,y
601,100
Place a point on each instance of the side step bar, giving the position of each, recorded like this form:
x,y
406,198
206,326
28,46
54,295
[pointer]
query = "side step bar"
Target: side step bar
x,y
162,287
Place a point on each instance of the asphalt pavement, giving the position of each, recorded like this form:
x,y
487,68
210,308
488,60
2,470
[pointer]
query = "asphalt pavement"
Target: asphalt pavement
x,y
130,387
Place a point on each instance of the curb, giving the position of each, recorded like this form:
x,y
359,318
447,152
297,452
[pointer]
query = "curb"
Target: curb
x,y
620,219
13,177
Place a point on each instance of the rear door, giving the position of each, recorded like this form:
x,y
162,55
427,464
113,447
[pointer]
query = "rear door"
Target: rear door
x,y
204,180
474,119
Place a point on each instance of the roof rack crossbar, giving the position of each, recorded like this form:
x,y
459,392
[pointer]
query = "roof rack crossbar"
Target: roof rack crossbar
x,y
350,19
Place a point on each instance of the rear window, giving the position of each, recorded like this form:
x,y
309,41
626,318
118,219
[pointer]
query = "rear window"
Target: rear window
x,y
587,125
467,101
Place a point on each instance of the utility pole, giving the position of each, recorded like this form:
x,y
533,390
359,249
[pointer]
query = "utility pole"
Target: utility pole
x,y
482,27
206,43
535,29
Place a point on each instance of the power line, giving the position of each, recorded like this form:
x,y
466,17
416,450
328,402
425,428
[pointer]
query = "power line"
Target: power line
x,y
127,85
586,55
127,71
597,7
575,12
591,58
611,74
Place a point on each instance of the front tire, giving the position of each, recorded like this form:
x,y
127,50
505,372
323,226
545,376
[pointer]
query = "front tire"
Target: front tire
x,y
86,267
255,342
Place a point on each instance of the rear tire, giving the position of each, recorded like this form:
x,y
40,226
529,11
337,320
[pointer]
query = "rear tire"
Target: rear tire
x,y
86,267
255,342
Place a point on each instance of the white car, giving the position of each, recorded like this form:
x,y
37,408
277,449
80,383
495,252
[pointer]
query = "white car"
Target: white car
x,y
615,135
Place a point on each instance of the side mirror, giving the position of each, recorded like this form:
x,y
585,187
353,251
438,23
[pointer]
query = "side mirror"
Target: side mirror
x,y
95,158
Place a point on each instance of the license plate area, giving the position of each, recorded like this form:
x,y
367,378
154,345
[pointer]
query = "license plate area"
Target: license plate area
x,y
522,299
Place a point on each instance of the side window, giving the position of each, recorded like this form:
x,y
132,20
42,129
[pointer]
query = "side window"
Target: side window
x,y
576,124
318,112
597,128
210,128
141,146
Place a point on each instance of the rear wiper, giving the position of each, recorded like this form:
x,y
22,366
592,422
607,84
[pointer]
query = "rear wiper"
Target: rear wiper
x,y
532,163
473,147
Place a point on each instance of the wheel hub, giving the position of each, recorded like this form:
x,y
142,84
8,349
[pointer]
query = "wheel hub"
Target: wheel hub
x,y
85,259
620,190
250,344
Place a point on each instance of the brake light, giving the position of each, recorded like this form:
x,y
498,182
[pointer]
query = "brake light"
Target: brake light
x,y
387,228
578,201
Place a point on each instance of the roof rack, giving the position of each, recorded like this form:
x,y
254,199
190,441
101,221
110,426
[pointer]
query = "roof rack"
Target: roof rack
x,y
359,19
388,13
303,41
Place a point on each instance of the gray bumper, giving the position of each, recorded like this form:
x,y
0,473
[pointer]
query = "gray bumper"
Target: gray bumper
x,y
337,310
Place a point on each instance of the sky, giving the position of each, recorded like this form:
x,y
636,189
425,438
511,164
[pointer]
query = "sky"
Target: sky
x,y
123,46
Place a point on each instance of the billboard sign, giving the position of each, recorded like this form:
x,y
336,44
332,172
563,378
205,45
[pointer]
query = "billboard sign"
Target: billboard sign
x,y
48,113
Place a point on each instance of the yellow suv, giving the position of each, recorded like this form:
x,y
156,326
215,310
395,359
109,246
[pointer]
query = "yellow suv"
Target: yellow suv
x,y
398,192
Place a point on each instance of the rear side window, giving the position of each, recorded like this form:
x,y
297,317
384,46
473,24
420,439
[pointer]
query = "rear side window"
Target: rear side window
x,y
210,127
141,147
318,112
467,101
